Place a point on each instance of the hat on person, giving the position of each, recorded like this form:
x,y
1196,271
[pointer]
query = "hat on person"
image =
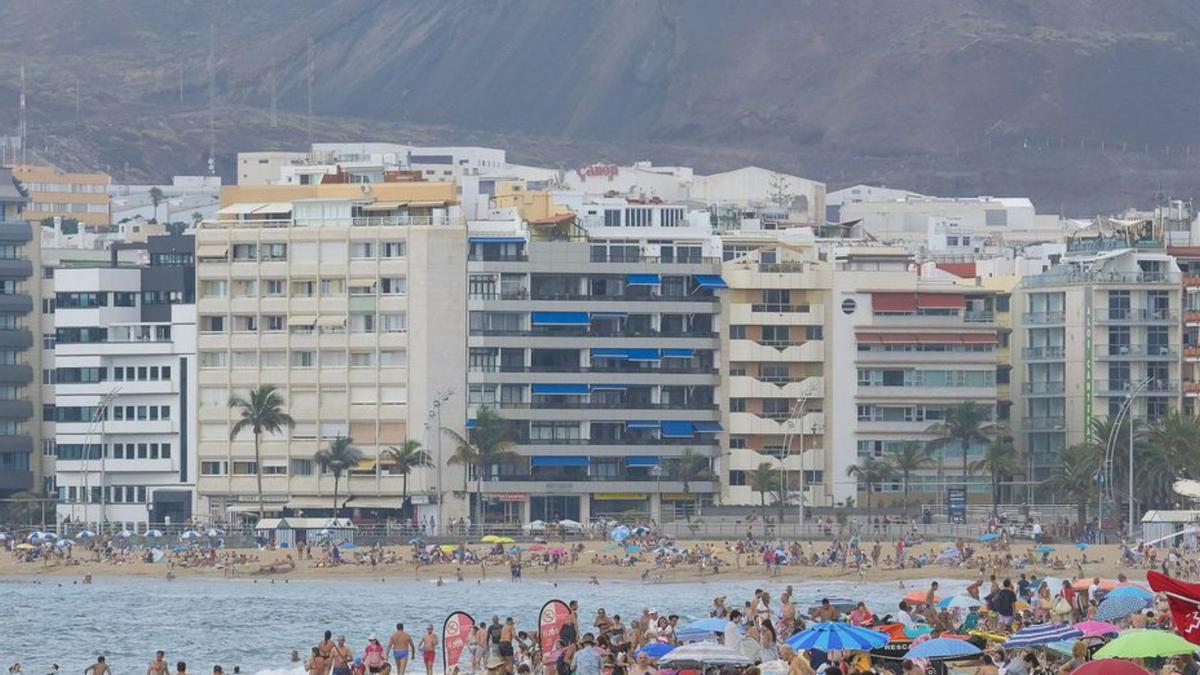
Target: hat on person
x,y
494,662
373,638
651,610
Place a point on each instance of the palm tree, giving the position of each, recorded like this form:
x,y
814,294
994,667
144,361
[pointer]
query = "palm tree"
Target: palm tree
x,y
1075,477
763,479
156,197
871,472
405,458
488,444
1172,452
912,456
340,456
261,412
998,460
689,468
964,424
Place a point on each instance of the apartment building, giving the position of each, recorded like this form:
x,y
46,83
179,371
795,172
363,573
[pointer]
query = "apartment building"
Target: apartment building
x,y
350,298
19,469
124,387
74,195
597,340
773,366
907,349
1098,330
1188,259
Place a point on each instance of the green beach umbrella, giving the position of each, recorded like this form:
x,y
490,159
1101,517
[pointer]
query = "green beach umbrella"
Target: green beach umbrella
x,y
1141,644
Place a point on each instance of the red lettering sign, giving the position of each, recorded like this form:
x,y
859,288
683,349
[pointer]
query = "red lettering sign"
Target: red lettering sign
x,y
609,171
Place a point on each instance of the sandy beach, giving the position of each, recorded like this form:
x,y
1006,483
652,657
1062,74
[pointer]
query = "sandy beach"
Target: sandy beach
x,y
1101,561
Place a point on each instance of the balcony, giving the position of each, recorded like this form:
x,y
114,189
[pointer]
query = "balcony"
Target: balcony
x,y
1191,316
16,409
591,332
1074,276
1043,318
16,481
16,374
623,441
579,297
18,303
1135,352
1043,353
1191,281
1044,423
1191,388
15,269
979,317
16,443
1043,388
780,308
590,484
1124,387
16,338
1191,352
554,403
623,368
13,232
1125,315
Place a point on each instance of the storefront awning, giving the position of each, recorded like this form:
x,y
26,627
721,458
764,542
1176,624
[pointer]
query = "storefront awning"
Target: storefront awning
x,y
678,353
561,319
894,302
643,279
561,389
710,281
559,461
636,460
677,429
707,427
642,424
302,320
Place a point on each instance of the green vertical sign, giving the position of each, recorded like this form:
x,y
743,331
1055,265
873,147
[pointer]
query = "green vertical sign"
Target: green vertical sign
x,y
1087,363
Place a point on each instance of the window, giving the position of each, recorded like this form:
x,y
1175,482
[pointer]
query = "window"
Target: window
x,y
213,359
362,359
270,252
273,323
362,250
333,358
393,285
245,359
212,323
737,332
303,359
333,287
214,288
304,289
124,299
213,468
393,322
301,467
393,249
245,252
393,358
362,322
245,323
273,288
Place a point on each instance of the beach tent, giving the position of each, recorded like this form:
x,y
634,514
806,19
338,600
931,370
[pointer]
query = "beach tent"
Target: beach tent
x,y
1157,524
287,532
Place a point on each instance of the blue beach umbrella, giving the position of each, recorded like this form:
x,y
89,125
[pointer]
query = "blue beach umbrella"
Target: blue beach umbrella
x,y
1044,549
1130,591
836,635
154,533
942,648
1113,608
85,534
1042,634
989,536
1083,546
655,650
619,533
959,602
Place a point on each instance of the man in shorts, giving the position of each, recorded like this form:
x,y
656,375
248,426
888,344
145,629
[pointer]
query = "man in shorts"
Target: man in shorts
x,y
401,647
428,649
505,646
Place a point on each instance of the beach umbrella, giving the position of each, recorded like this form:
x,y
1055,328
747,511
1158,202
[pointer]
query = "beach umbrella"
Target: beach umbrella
x,y
535,526
154,533
85,534
919,596
25,547
959,602
514,550
1044,549
836,635
505,540
942,648
640,530
124,534
214,532
1130,591
570,524
708,624
65,543
178,548
190,535
1110,667
988,536
1120,607
774,667
1145,644
448,548
655,650
490,539
416,541
1097,628
619,533
1086,583
537,547
704,653
1083,546
1041,634
558,550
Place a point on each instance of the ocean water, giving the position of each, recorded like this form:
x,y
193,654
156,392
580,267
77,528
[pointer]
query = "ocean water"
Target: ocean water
x,y
239,622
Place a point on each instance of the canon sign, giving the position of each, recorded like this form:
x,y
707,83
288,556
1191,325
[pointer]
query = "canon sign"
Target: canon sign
x,y
609,171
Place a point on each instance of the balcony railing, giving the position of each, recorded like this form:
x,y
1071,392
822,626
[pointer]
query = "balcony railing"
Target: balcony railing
x,y
1135,351
663,367
582,297
979,317
782,268
1136,315
1124,387
780,308
626,440
361,221
1044,353
1044,423
565,403
1044,317
590,332
1075,276
1043,387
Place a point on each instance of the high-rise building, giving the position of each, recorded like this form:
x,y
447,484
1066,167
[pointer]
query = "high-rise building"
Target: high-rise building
x,y
69,195
124,387
1100,329
19,472
595,336
350,299
773,355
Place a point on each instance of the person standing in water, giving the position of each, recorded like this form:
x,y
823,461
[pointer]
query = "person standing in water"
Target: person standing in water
x,y
325,647
98,668
401,647
341,657
159,665
428,649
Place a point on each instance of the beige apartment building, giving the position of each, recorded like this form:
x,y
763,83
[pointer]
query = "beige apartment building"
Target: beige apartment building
x,y
774,370
81,196
351,299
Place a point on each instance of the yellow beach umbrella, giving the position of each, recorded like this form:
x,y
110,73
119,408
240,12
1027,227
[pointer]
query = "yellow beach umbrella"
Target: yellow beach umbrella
x,y
505,540
448,548
491,539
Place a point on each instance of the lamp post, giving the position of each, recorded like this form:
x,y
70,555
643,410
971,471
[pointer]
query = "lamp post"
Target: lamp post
x,y
1124,413
797,416
98,418
435,413
657,472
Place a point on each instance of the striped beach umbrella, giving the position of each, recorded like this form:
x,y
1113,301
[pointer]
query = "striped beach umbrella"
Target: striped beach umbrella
x,y
1130,590
1120,607
942,648
1041,634
836,635
704,653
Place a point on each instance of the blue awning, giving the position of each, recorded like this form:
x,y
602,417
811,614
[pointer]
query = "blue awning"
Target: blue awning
x,y
559,461
678,353
636,460
643,279
561,389
607,353
616,387
470,424
643,354
561,319
641,424
496,240
707,427
710,281
614,315
674,429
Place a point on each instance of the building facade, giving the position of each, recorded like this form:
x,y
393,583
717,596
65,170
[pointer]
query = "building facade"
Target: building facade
x,y
67,195
19,469
350,299
124,388
599,346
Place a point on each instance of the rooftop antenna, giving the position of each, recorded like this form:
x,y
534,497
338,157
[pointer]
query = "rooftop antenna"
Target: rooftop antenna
x,y
23,129
212,96
312,74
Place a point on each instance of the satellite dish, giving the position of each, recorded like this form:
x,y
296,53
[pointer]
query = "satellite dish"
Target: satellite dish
x,y
1187,488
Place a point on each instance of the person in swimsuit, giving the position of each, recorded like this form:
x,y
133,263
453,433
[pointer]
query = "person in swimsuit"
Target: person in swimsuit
x,y
181,668
341,657
505,646
159,665
428,649
98,668
373,657
316,663
325,647
401,646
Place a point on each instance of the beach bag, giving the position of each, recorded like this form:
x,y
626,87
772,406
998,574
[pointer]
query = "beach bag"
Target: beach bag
x,y
1062,607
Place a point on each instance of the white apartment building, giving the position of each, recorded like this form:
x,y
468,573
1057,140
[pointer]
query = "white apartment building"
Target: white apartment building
x,y
944,221
124,389
350,298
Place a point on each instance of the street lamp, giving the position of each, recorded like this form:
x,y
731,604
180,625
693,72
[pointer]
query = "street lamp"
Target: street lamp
x,y
98,418
435,412
1125,413
657,472
797,415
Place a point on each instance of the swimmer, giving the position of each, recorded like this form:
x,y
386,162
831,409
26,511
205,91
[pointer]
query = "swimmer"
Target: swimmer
x,y
159,665
400,644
